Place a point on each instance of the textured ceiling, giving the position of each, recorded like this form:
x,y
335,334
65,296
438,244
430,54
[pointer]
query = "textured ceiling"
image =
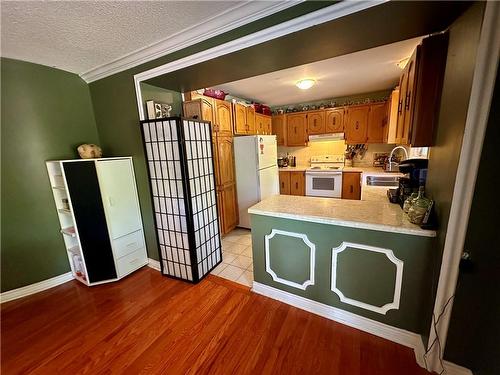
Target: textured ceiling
x,y
81,35
360,72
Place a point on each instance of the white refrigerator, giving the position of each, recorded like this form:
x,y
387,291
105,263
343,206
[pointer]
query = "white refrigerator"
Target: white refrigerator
x,y
257,178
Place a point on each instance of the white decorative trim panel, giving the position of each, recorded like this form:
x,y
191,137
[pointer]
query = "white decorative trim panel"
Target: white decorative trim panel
x,y
312,257
35,288
154,264
397,288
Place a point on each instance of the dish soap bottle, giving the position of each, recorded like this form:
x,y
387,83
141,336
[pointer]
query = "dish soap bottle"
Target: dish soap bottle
x,y
418,209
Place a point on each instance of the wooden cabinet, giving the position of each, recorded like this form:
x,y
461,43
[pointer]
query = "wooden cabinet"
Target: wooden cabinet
x,y
357,124
351,185
296,129
377,122
250,120
229,217
263,124
297,183
292,182
225,156
284,178
334,120
279,128
224,117
316,122
409,97
243,119
389,135
201,108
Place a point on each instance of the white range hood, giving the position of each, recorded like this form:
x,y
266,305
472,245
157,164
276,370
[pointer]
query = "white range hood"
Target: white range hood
x,y
326,137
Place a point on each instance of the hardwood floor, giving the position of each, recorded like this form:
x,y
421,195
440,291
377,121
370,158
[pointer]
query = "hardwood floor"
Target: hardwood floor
x,y
149,324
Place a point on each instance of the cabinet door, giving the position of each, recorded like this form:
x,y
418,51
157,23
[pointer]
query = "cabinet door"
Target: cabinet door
x,y
119,195
334,120
403,83
297,183
392,113
224,117
259,124
284,183
296,125
351,185
278,128
268,125
229,207
202,108
377,121
225,158
409,98
192,109
240,119
357,124
250,120
316,122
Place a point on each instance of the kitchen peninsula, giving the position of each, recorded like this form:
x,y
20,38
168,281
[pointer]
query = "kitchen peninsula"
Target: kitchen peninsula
x,y
362,256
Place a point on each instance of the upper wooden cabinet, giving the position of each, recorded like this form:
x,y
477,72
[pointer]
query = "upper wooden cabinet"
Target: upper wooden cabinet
x,y
356,128
420,92
243,119
278,128
263,124
296,129
334,120
316,122
201,108
377,122
392,117
224,117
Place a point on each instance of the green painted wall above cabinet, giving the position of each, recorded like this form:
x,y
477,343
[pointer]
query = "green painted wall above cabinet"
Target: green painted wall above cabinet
x,y
46,114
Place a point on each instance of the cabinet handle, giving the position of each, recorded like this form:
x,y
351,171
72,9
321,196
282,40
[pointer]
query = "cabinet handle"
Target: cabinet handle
x,y
407,101
295,130
352,189
296,185
357,125
334,120
400,106
110,201
314,123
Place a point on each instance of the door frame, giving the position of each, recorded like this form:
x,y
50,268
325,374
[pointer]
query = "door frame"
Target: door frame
x,y
483,85
475,128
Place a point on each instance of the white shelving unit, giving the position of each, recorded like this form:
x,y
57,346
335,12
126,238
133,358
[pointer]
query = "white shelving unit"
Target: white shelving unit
x,y
100,222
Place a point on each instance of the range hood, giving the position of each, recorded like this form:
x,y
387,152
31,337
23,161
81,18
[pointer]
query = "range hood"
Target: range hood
x,y
326,137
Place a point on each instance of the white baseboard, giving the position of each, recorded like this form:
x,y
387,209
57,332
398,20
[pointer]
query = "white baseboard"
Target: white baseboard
x,y
400,336
154,264
453,369
35,288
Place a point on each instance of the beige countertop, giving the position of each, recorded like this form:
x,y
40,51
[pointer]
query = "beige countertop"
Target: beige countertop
x,y
298,168
374,213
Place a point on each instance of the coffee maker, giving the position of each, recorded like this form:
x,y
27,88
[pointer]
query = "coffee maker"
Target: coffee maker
x,y
415,171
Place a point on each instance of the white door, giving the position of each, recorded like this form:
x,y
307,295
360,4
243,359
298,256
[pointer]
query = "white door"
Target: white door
x,y
119,195
267,151
269,182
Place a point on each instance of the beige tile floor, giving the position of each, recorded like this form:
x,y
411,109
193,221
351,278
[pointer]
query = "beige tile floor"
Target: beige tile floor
x,y
237,262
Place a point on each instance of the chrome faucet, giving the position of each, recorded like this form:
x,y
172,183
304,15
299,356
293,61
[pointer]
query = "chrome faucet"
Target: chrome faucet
x,y
392,152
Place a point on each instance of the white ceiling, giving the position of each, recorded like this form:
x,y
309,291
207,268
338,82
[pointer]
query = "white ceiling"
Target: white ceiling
x,y
80,36
360,72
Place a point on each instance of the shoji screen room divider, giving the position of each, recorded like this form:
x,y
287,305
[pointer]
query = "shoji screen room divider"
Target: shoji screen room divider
x,y
181,172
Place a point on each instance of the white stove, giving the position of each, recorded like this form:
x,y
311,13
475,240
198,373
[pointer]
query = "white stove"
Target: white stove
x,y
324,177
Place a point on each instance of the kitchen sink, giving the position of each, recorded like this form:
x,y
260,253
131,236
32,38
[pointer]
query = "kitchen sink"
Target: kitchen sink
x,y
382,181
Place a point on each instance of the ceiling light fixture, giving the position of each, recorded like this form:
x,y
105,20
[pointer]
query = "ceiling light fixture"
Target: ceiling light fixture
x,y
402,63
305,84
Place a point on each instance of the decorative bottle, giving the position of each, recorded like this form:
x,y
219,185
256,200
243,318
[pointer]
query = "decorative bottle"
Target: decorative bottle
x,y
418,209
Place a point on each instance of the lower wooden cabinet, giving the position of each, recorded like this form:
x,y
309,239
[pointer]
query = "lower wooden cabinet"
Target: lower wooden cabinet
x,y
229,212
351,185
284,183
292,183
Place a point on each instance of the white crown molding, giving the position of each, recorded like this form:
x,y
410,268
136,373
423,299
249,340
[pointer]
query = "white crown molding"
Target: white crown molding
x,y
154,264
312,257
397,335
230,19
394,304
35,288
317,17
453,369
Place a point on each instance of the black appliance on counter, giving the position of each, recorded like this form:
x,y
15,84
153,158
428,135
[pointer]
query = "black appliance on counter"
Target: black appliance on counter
x,y
416,174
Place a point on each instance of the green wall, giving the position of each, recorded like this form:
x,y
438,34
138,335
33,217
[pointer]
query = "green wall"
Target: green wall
x,y
46,114
117,119
158,94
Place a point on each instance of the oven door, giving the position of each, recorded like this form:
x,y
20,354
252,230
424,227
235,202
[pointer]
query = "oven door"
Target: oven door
x,y
324,184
